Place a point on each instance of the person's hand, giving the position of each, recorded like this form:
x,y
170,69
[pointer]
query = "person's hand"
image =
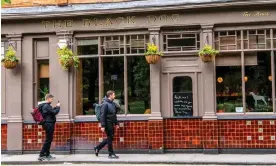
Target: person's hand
x,y
58,104
102,129
117,126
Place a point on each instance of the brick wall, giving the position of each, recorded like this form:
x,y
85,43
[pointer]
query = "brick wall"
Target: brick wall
x,y
3,137
28,3
168,134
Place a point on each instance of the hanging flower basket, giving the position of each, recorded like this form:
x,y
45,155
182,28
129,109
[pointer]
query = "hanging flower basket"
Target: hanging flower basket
x,y
152,55
207,53
10,61
62,2
67,58
152,59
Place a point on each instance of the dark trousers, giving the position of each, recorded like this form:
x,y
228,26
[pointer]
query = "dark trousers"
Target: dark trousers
x,y
49,131
109,131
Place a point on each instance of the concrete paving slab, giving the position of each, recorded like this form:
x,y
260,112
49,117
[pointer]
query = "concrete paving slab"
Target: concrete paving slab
x,y
219,159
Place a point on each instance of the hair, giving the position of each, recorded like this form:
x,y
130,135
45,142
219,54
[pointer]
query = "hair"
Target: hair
x,y
109,93
48,96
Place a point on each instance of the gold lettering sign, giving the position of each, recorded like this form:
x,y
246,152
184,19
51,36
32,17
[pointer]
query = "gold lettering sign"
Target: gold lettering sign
x,y
111,21
255,14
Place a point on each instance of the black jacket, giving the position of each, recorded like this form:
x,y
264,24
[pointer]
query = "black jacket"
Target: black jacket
x,y
108,113
48,112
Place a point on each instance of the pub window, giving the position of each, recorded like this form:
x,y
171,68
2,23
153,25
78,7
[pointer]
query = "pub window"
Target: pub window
x,y
2,49
258,82
274,38
138,81
112,45
257,39
43,79
229,83
87,46
228,40
182,96
113,77
181,41
127,74
87,86
136,44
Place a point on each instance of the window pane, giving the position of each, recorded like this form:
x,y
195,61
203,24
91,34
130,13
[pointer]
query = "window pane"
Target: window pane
x,y
2,50
138,86
113,68
258,86
87,86
229,89
275,76
43,80
88,47
182,96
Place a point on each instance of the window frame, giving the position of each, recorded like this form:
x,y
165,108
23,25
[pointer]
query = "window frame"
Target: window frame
x,y
100,57
242,52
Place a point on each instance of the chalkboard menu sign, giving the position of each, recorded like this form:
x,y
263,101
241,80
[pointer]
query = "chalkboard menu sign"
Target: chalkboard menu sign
x,y
182,104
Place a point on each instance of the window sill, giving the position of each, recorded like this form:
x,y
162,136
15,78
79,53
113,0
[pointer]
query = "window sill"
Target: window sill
x,y
133,117
247,116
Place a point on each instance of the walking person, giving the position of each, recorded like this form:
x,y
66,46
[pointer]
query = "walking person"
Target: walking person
x,y
108,120
49,114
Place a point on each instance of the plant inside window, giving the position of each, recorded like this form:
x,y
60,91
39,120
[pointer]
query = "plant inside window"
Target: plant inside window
x,y
67,58
43,92
10,60
207,53
152,55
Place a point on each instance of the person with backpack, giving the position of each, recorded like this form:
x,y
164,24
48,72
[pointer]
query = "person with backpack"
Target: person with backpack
x,y
49,115
108,119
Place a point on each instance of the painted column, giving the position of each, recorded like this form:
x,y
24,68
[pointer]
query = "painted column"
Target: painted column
x,y
209,134
155,78
61,86
14,100
209,77
155,126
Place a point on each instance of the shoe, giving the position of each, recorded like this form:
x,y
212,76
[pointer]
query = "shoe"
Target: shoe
x,y
96,151
41,158
113,156
50,157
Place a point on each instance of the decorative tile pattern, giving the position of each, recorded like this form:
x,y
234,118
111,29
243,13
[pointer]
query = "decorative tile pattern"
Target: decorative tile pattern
x,y
156,134
236,132
168,134
36,135
179,134
3,136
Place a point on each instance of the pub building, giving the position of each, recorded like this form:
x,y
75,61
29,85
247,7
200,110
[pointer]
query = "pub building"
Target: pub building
x,y
179,104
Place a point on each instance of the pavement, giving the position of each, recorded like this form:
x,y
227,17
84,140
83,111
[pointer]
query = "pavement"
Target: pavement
x,y
190,159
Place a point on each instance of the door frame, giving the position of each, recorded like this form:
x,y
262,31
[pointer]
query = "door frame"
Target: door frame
x,y
193,76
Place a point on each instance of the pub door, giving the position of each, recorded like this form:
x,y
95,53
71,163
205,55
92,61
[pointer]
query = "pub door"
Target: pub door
x,y
183,95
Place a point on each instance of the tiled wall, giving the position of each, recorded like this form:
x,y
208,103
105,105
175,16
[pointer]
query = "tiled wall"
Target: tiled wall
x,y
131,135
33,137
3,137
182,134
168,134
247,134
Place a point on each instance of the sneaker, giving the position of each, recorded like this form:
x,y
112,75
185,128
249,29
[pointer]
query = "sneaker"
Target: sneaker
x,y
50,157
96,151
41,158
113,156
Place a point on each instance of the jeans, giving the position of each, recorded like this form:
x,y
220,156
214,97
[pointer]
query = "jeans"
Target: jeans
x,y
49,130
109,131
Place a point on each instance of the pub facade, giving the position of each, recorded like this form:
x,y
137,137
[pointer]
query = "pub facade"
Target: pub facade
x,y
180,104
